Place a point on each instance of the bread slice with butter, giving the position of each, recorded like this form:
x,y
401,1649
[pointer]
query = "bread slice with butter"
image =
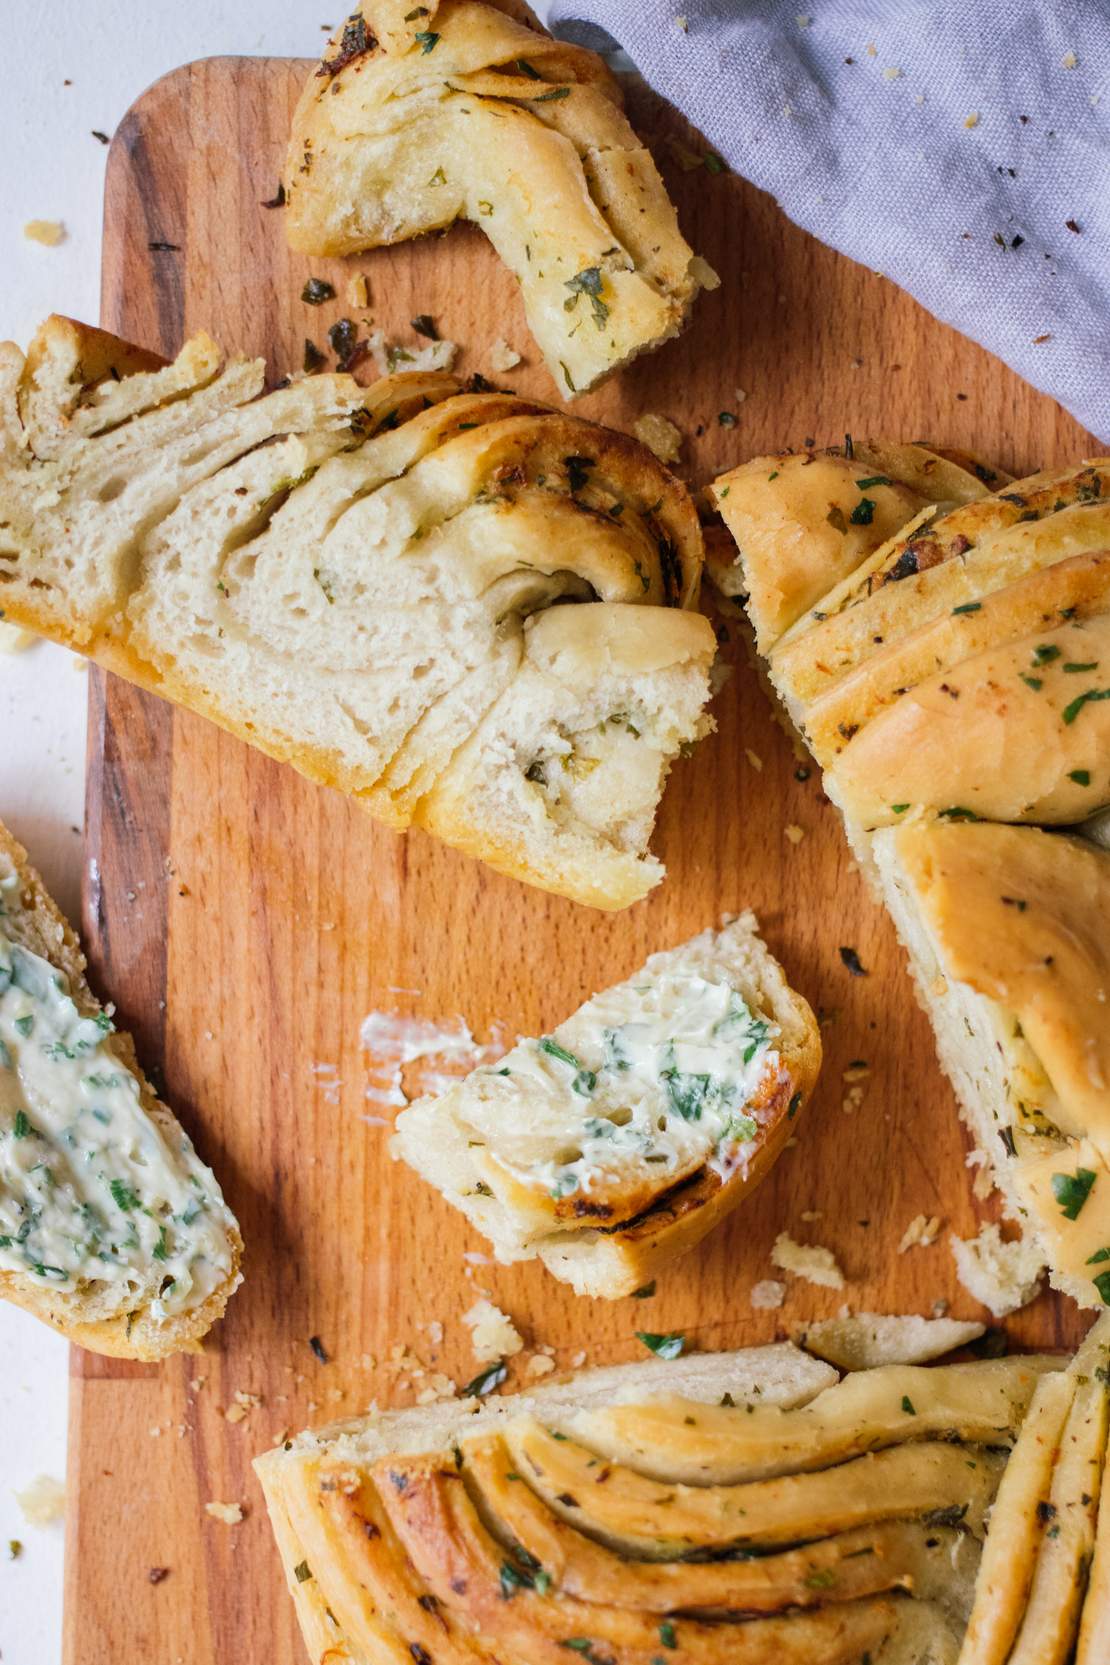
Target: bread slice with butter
x,y
616,1142
111,1229
469,612
729,1509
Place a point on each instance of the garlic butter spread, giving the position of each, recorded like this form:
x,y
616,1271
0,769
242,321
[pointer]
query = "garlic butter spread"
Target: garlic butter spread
x,y
651,1079
92,1192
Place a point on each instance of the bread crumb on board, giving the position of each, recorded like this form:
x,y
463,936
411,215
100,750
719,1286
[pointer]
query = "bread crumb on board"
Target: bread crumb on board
x,y
767,1295
493,1335
660,435
807,1260
43,1501
230,1513
47,232
1003,1276
921,1233
13,639
502,357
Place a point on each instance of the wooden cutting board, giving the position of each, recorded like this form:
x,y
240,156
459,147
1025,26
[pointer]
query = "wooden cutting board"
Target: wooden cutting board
x,y
246,922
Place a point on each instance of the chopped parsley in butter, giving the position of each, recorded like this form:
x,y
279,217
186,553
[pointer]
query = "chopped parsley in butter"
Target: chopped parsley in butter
x,y
94,1196
659,1077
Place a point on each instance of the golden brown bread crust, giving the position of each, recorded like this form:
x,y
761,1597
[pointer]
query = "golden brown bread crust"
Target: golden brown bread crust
x,y
134,1335
409,124
543,1526
570,512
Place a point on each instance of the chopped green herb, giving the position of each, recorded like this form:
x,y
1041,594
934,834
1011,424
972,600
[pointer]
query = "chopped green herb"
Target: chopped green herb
x,y
852,960
587,282
645,1291
822,1578
1072,1190
714,164
423,325
663,1346
1033,682
547,97
899,809
526,68
554,1050
968,607
667,1635
1045,653
1088,697
25,1025
123,1196
726,419
161,1250
21,1127
864,512
316,291
873,480
428,40
1102,1283
1081,777
907,1405
1072,667
687,1093
302,1572
486,1381
957,813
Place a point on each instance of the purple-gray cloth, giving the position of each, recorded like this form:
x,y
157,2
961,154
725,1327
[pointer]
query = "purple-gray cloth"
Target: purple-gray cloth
x,y
962,149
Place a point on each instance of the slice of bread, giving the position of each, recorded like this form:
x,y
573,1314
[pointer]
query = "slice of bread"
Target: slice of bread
x,y
615,1143
111,1229
466,610
951,680
1007,937
461,111
729,1507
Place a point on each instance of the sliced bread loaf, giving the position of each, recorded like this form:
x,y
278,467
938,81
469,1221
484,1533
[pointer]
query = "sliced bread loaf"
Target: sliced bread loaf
x,y
111,1228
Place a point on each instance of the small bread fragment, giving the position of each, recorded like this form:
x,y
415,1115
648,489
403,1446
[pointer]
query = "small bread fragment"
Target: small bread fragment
x,y
111,1229
866,1340
616,1142
468,112
466,610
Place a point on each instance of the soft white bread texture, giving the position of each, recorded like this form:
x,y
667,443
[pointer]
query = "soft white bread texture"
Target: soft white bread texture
x,y
952,677
1008,936
734,1508
463,609
615,1143
463,111
108,1309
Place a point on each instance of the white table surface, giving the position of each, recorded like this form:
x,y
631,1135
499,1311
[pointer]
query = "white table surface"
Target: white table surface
x,y
57,84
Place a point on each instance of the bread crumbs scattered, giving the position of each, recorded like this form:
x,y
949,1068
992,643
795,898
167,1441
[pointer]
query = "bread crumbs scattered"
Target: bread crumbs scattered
x,y
539,1365
767,1295
983,1183
871,49
753,758
855,1080
358,292
972,120
435,1332
739,395
1002,1275
921,1233
244,1404
794,833
892,74
14,640
578,1360
230,1513
811,1214
682,23
660,435
803,20
43,1501
493,1333
1069,60
391,356
502,356
47,232
807,1260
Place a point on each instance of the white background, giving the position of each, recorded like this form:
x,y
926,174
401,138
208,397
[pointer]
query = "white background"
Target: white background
x,y
61,76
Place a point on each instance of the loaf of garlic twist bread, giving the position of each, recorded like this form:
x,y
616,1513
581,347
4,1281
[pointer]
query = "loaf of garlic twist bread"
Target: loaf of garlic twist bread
x,y
726,1509
461,110
952,675
469,612
111,1228
618,1141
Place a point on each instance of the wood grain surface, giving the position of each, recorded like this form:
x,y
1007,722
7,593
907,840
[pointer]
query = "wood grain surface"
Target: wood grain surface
x,y
245,921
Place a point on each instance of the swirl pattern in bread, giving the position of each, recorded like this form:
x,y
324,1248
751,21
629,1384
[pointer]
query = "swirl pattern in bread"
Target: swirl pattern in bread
x,y
615,1143
743,1508
469,612
460,110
